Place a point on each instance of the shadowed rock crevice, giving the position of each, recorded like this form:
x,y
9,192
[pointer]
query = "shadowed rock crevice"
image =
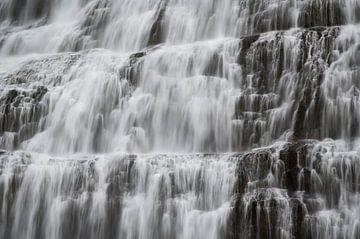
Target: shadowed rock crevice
x,y
156,31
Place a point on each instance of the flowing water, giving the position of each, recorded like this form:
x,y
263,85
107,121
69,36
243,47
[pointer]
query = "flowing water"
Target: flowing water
x,y
179,119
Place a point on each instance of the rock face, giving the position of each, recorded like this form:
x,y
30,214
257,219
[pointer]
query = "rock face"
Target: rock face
x,y
21,113
253,104
291,190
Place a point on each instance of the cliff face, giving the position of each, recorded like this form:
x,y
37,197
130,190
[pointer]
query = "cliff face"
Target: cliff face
x,y
258,99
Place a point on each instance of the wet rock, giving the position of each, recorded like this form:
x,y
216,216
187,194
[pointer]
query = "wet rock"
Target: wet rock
x,y
20,112
289,156
253,167
305,181
48,70
295,156
299,213
136,56
155,36
132,72
246,42
317,13
291,179
262,213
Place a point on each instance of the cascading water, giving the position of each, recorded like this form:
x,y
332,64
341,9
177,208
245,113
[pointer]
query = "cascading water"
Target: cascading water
x,y
179,119
157,196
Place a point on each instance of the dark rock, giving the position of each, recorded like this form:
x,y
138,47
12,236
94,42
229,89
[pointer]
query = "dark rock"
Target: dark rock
x,y
318,13
253,167
20,112
299,212
291,181
289,156
245,45
156,29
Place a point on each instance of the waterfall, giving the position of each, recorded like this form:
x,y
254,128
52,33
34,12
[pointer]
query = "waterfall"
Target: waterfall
x,y
179,119
153,196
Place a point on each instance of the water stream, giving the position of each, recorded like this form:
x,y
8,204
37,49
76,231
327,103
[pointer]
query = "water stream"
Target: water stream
x,y
179,119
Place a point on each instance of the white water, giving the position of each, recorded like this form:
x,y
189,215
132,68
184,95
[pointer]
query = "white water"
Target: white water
x,y
158,77
163,196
